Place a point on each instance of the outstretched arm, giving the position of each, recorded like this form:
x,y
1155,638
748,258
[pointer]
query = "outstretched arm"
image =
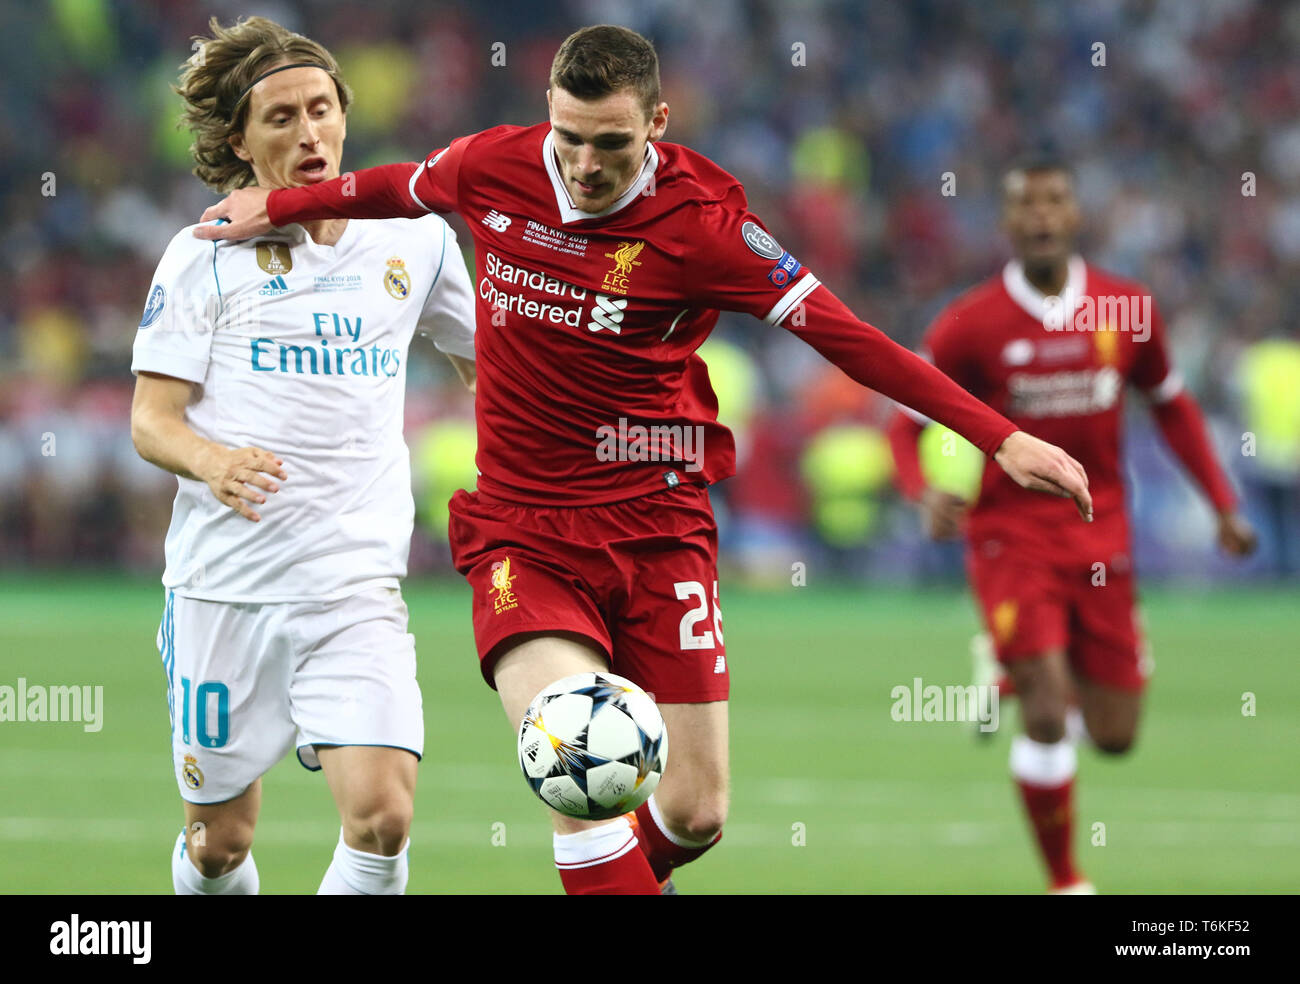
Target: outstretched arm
x,y
1183,427
733,263
941,512
372,193
874,360
904,431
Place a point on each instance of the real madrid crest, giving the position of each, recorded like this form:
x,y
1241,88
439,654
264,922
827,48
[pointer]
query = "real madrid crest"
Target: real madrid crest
x,y
191,773
396,280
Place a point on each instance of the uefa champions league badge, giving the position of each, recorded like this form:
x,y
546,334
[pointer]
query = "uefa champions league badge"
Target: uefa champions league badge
x,y
153,309
191,773
396,280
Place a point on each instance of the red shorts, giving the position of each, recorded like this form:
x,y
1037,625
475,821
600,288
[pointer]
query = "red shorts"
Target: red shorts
x,y
1033,605
639,578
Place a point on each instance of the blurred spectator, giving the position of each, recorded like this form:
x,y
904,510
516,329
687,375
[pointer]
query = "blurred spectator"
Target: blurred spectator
x,y
1269,380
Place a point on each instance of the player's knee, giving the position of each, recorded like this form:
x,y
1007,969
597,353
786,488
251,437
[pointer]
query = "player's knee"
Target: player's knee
x,y
382,828
1115,744
1044,721
214,859
700,822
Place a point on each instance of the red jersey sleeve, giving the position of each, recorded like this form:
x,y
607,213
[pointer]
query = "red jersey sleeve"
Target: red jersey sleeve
x,y
904,433
941,348
733,263
1153,371
436,185
1177,414
389,191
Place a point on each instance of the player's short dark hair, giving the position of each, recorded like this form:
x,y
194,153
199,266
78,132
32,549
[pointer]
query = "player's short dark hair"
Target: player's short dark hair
x,y
1038,162
215,85
597,61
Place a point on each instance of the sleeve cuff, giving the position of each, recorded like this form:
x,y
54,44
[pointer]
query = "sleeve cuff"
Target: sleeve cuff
x,y
464,350
1167,389
791,300
170,364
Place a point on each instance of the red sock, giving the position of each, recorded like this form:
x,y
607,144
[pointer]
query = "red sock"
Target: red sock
x,y
664,850
1044,773
1051,813
604,860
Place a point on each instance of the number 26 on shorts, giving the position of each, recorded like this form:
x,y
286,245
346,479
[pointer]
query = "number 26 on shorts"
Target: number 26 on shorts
x,y
690,639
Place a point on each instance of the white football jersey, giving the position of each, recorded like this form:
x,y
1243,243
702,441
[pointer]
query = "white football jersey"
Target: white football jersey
x,y
300,349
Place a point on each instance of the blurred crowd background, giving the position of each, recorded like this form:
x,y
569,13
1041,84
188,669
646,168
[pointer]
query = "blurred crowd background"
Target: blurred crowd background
x,y
1186,143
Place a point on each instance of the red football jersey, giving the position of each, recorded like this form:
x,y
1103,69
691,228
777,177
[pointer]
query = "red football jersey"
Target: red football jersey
x,y
589,389
1057,367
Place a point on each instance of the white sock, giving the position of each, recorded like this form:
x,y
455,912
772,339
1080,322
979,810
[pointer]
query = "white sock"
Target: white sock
x,y
1042,764
595,845
188,880
1076,729
354,872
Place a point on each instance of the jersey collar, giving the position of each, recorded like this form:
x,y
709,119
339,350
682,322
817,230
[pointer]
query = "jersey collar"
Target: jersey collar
x,y
1036,304
564,201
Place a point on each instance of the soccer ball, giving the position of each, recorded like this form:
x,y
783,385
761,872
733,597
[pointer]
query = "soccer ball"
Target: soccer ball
x,y
593,746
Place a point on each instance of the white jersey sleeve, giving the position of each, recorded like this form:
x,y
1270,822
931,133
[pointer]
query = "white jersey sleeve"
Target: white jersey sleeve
x,y
448,315
175,333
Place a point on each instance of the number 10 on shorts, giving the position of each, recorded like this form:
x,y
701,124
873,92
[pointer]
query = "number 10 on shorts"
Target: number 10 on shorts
x,y
203,695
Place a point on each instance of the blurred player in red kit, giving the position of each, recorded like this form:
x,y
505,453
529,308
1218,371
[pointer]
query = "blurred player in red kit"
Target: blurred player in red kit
x,y
1051,342
603,256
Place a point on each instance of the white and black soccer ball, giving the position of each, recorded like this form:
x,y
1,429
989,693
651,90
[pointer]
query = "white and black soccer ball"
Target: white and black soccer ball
x,y
593,746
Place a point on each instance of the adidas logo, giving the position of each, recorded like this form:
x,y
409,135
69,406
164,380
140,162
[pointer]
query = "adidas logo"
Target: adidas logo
x,y
274,287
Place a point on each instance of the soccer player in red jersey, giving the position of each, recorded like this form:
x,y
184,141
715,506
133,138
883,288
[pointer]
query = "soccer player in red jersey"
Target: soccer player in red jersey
x,y
1051,343
603,256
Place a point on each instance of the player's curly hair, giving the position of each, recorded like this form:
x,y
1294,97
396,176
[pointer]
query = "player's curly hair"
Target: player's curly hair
x,y
603,59
214,81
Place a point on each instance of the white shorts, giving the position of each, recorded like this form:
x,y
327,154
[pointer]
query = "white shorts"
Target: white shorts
x,y
246,683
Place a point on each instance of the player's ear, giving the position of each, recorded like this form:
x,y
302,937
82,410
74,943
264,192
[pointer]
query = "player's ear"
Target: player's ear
x,y
549,113
237,144
659,122
1075,212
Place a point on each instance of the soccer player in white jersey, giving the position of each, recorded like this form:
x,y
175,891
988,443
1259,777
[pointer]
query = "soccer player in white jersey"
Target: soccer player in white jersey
x,y
271,381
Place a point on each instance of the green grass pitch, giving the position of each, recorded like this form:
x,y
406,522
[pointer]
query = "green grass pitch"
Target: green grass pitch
x,y
829,793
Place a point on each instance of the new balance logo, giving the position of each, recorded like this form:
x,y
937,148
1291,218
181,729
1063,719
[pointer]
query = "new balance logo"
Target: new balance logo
x,y
495,220
608,313
274,287
720,665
